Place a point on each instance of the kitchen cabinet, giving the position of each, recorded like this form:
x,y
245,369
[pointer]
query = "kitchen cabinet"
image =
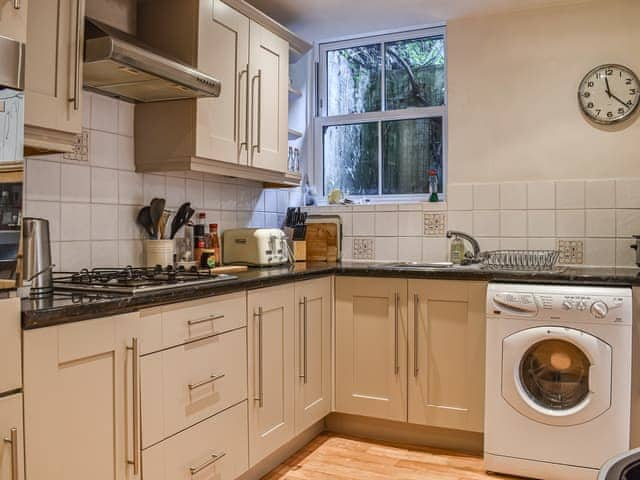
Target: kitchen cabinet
x,y
241,133
271,370
11,438
80,382
13,19
446,353
10,341
371,347
269,71
312,352
213,449
53,74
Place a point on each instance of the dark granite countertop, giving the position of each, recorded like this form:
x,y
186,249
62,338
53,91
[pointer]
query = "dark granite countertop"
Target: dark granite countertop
x,y
66,308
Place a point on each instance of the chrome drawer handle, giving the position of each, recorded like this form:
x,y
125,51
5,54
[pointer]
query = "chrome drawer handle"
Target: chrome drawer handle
x,y
416,327
16,4
135,373
396,358
13,441
211,379
260,397
214,458
210,318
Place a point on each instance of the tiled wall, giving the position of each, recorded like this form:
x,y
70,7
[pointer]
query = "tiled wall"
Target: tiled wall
x,y
92,204
593,219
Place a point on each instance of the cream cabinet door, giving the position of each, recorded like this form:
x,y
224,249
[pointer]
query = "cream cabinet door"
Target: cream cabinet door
x,y
79,386
269,97
271,370
53,69
13,19
10,354
223,51
371,347
312,352
446,352
11,438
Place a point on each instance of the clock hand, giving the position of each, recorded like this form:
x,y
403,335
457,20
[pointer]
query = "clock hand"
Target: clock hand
x,y
608,90
616,98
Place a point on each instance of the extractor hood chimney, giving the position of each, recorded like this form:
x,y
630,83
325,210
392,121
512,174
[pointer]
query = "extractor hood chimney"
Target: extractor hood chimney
x,y
119,65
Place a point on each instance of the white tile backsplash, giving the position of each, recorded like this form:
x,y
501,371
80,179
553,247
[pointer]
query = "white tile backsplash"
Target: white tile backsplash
x,y
486,196
410,249
92,206
600,252
386,224
628,193
570,194
541,195
364,224
460,197
600,194
486,224
410,224
570,223
513,223
513,196
600,223
386,249
541,223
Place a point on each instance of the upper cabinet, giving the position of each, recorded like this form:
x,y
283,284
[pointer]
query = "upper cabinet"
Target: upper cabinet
x,y
13,19
53,74
241,133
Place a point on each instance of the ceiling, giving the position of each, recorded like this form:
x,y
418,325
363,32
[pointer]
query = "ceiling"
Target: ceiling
x,y
325,19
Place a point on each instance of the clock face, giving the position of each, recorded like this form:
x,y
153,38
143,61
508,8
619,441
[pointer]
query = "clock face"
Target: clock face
x,y
609,94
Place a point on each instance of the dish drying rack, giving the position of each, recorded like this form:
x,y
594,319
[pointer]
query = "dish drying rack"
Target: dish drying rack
x,y
525,260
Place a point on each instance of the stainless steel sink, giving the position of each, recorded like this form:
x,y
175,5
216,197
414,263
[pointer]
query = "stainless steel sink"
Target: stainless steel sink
x,y
418,265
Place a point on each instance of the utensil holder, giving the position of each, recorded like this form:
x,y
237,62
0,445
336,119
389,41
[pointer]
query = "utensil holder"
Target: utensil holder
x,y
159,252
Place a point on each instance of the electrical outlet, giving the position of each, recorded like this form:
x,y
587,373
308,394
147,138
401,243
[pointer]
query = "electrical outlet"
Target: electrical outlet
x,y
571,252
434,224
364,249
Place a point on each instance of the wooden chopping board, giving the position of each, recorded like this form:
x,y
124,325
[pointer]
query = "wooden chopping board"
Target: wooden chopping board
x,y
322,242
228,269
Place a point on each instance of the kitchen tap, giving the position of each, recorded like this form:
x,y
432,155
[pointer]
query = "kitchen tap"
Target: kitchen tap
x,y
477,257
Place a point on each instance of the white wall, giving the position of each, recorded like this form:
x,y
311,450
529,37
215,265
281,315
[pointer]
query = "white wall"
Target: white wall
x,y
513,80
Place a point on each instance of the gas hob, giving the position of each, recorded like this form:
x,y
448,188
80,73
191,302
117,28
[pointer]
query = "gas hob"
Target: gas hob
x,y
133,280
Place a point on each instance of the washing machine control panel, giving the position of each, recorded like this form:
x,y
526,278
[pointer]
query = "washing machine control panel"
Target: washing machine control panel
x,y
581,306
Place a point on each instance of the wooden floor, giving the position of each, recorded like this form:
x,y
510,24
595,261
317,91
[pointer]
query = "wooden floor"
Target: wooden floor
x,y
335,457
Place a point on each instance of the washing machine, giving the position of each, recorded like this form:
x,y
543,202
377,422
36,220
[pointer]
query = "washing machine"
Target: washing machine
x,y
558,379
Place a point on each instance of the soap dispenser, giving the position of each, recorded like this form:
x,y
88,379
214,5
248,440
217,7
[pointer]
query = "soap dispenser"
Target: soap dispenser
x,y
456,250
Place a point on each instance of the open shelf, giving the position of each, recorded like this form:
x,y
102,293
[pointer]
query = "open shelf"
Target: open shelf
x,y
295,134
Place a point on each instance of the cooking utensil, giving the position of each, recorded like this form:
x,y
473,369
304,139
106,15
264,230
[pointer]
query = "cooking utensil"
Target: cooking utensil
x,y
162,224
157,207
144,220
36,255
182,216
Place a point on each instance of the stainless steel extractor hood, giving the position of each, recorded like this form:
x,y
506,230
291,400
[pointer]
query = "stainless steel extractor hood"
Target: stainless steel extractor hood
x,y
118,64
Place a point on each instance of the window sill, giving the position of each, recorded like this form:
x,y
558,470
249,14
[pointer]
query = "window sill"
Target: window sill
x,y
379,206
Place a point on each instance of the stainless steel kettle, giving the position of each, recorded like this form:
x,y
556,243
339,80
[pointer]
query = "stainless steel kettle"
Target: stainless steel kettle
x,y
36,254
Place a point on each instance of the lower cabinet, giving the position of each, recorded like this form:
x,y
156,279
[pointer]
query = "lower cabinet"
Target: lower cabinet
x,y
271,369
11,438
213,449
80,382
312,352
446,353
371,347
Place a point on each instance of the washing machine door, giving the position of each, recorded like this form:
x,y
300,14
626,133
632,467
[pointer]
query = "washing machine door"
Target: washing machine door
x,y
556,375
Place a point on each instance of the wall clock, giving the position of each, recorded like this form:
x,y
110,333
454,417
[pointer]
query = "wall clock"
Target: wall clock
x,y
609,94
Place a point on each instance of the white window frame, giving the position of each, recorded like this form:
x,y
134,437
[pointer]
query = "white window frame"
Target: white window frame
x,y
322,120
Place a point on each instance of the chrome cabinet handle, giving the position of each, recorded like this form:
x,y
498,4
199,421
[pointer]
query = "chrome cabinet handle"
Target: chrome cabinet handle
x,y
78,56
210,318
214,458
135,373
416,326
260,397
303,348
211,379
244,72
396,357
16,4
13,441
257,146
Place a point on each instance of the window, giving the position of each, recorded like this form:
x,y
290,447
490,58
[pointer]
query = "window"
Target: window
x,y
381,126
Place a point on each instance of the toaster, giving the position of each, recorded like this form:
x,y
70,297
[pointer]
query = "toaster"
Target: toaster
x,y
260,247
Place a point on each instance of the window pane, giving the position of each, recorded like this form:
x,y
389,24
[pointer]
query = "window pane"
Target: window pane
x,y
351,159
354,80
410,149
414,71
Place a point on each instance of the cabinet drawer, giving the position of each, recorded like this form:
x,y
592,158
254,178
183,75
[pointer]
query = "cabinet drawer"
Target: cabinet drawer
x,y
11,418
10,356
190,321
215,448
186,384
